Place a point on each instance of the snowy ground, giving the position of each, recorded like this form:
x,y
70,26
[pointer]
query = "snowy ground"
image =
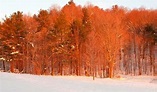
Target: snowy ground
x,y
32,83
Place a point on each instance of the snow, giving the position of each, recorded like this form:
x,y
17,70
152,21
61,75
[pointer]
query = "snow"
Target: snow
x,y
16,52
3,59
10,82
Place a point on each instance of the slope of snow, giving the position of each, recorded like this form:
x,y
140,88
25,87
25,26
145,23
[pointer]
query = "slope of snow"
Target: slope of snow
x,y
32,83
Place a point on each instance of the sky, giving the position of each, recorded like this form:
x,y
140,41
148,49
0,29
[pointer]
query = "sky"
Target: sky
x,y
7,7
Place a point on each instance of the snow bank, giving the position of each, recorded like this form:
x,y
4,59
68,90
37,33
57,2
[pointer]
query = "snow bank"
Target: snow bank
x,y
32,83
154,81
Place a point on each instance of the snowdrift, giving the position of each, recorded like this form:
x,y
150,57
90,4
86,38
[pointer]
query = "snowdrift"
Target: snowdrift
x,y
10,82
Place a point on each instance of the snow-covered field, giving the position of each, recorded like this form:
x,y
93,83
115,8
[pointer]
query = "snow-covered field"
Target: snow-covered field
x,y
32,83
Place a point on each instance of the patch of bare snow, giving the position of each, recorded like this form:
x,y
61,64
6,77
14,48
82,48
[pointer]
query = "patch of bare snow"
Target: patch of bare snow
x,y
10,82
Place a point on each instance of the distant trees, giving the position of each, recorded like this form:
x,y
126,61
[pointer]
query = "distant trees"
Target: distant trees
x,y
141,44
77,40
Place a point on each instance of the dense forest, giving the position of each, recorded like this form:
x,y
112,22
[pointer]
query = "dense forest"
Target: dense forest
x,y
82,41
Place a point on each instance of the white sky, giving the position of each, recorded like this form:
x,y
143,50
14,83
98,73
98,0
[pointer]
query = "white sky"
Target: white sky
x,y
7,7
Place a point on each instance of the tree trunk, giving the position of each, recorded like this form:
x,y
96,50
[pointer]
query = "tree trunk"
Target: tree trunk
x,y
93,73
139,62
111,66
71,68
52,68
4,66
12,66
